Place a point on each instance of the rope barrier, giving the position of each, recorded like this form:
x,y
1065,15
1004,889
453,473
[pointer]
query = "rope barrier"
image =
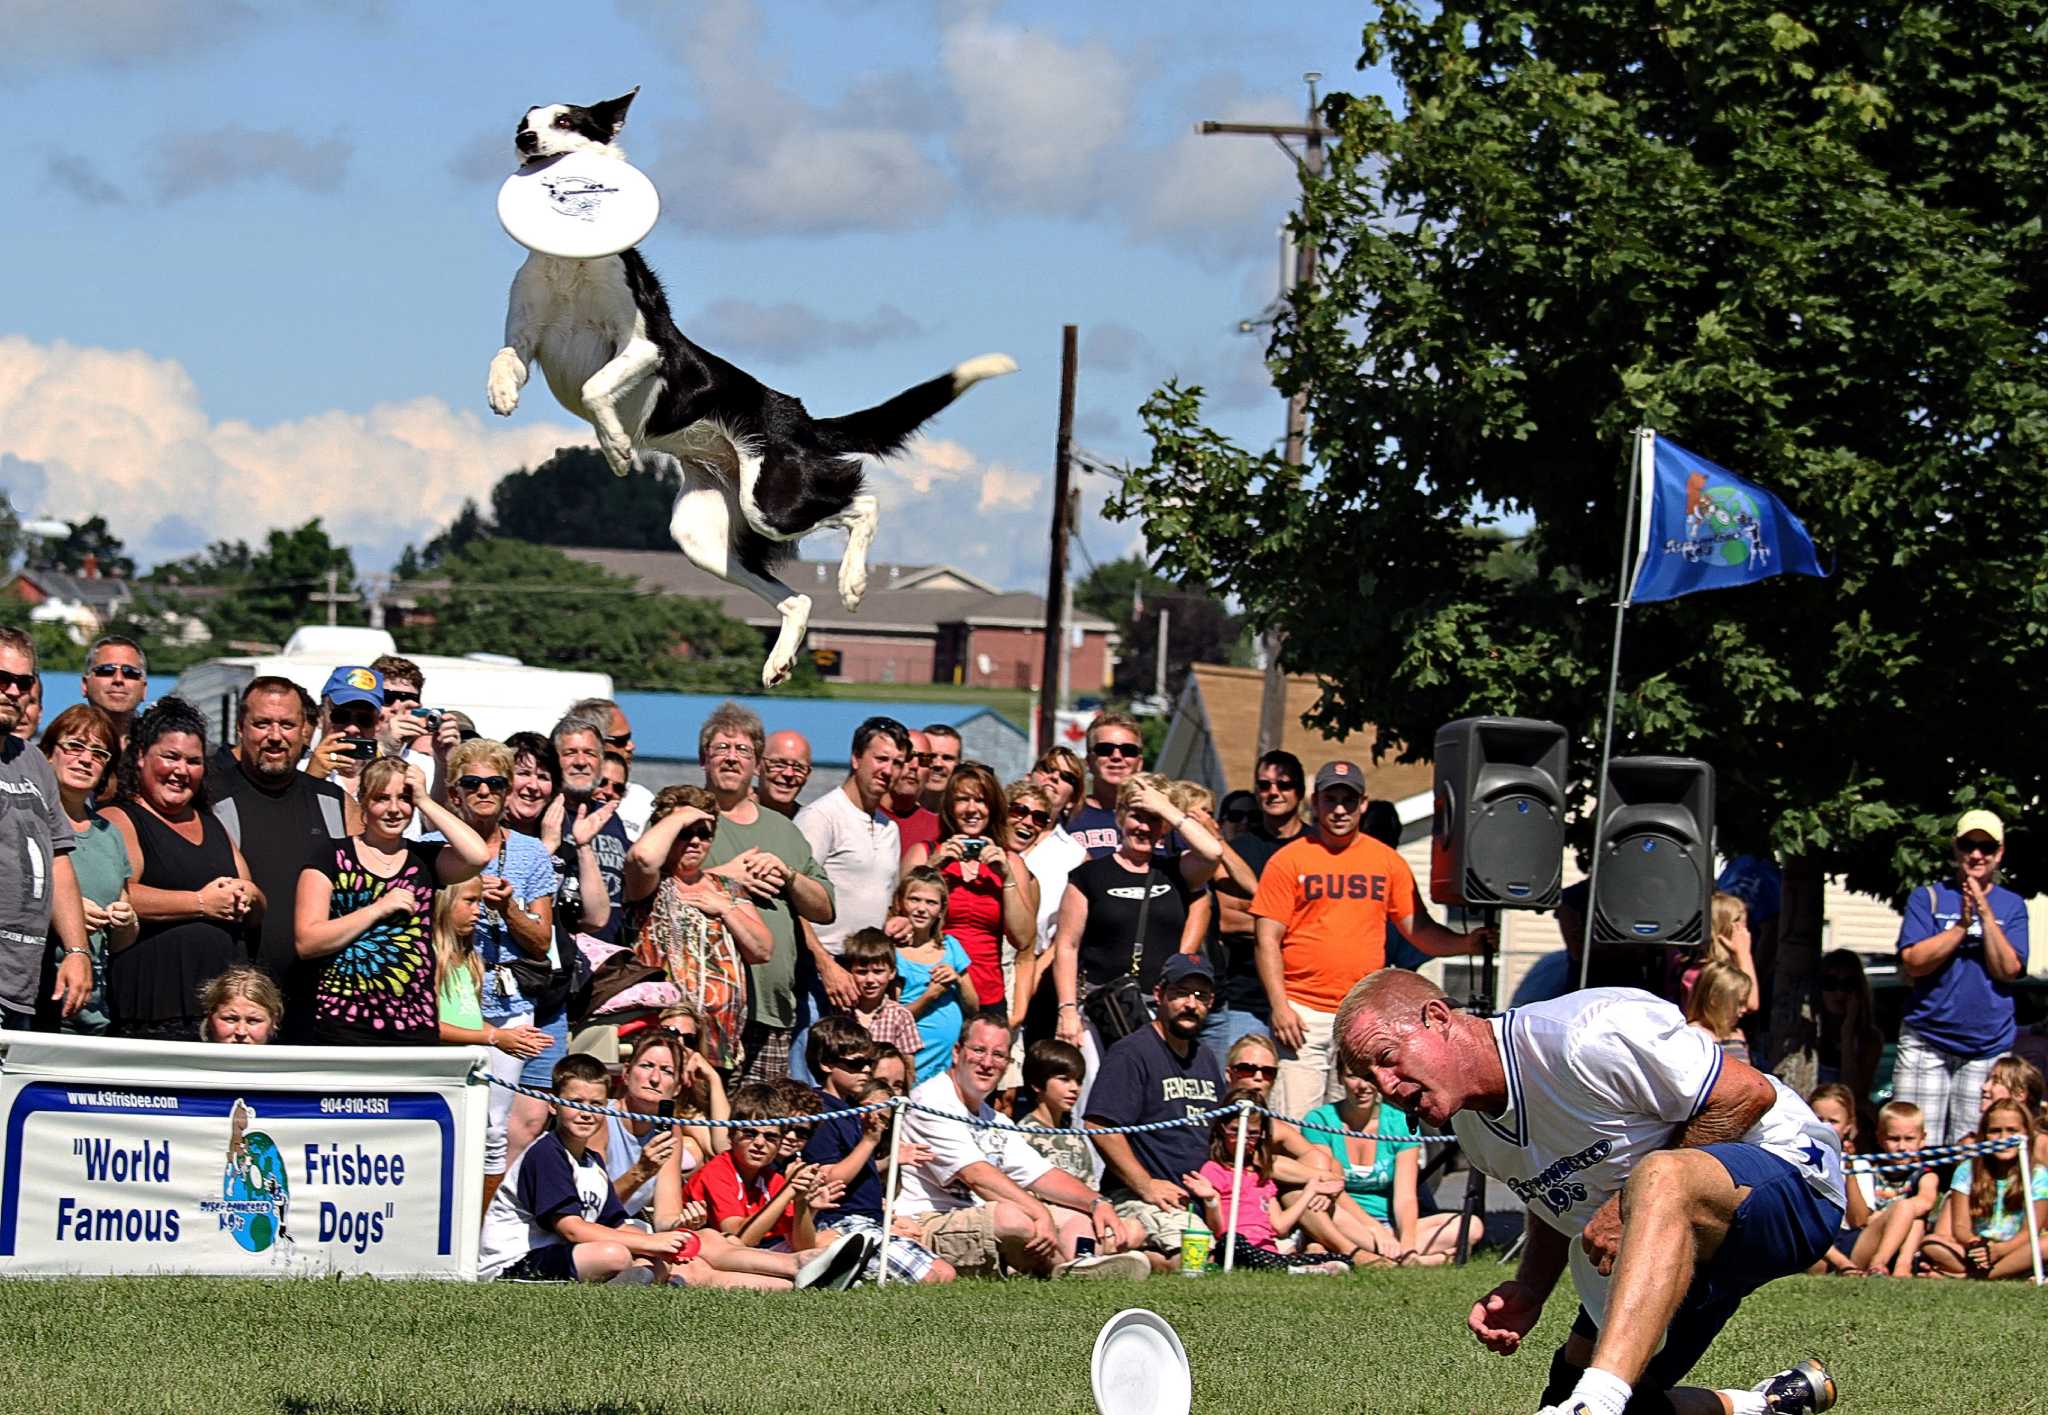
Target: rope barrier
x,y
1934,1154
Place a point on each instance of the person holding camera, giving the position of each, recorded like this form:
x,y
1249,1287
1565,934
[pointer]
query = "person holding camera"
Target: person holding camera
x,y
1964,944
994,897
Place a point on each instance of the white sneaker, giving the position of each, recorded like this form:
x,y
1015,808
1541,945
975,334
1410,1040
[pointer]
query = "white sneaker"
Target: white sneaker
x,y
1329,1269
1123,1265
845,1259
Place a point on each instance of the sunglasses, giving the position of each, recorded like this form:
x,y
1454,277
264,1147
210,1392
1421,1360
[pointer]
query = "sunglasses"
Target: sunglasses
x,y
1130,750
851,1063
688,1039
399,695
624,739
81,748
1247,1069
1976,847
1041,819
20,682
1266,784
356,715
1236,817
494,784
691,833
118,670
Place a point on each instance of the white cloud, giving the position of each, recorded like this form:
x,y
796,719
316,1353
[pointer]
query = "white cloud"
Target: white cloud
x,y
1221,195
42,34
760,156
792,332
187,164
124,433
1037,117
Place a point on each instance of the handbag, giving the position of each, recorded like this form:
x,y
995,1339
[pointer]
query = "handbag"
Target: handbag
x,y
1119,1007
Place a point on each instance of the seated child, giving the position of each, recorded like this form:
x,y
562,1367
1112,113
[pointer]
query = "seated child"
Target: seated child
x,y
850,1151
745,1192
1984,1232
555,1218
1835,1104
1261,1218
1053,1073
1896,1201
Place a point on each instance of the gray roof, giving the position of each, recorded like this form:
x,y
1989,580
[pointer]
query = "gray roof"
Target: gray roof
x,y
100,592
894,601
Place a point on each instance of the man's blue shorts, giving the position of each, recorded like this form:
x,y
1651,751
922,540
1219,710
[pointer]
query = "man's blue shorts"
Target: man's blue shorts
x,y
1783,1227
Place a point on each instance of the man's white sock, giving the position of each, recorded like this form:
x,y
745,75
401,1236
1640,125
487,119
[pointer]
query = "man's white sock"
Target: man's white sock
x,y
1744,1402
1601,1392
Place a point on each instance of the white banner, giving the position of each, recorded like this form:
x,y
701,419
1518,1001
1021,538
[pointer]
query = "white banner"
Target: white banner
x,y
152,1157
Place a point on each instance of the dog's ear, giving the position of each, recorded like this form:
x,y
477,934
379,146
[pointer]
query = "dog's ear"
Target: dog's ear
x,y
612,112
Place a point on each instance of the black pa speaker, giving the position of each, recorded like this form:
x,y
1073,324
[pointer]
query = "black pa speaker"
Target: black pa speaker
x,y
1497,841
1656,876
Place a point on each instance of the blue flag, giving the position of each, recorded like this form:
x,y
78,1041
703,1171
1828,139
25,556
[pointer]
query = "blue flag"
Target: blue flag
x,y
1704,528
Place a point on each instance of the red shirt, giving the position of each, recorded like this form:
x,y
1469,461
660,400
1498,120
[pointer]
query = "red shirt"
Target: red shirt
x,y
920,827
722,1190
974,915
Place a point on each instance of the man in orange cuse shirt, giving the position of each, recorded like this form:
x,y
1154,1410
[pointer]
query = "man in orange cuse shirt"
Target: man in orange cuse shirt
x,y
1321,915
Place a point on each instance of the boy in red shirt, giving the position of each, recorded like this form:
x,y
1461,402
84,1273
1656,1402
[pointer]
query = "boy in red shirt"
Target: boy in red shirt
x,y
745,1195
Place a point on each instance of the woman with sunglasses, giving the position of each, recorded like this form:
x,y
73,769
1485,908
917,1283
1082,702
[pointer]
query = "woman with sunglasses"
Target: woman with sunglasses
x,y
993,907
1034,830
688,923
703,1090
1964,944
198,909
80,745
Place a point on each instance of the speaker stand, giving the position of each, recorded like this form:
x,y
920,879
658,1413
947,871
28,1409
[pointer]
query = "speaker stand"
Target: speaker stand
x,y
1481,1004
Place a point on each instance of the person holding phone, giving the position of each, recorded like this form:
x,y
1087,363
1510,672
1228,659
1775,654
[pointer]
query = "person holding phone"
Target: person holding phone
x,y
351,703
1964,944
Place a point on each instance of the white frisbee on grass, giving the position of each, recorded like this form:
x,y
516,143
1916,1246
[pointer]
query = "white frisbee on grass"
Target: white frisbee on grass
x,y
1140,1367
580,206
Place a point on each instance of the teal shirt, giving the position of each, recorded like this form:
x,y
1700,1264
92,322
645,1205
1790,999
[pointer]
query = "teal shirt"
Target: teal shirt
x,y
1371,1185
100,861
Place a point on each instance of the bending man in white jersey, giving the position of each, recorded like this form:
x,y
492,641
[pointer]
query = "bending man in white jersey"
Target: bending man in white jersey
x,y
1671,1180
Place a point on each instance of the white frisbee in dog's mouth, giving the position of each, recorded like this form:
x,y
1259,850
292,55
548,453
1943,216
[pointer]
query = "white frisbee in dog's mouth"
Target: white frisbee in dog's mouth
x,y
580,206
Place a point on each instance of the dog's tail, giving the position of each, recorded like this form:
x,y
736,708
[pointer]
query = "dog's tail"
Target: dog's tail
x,y
884,428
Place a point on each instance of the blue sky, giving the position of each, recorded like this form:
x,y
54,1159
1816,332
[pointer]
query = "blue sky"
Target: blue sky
x,y
262,278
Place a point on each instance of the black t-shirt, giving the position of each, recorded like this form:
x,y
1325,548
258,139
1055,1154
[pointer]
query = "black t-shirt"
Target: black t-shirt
x,y
1115,897
379,990
279,829
611,845
1143,1081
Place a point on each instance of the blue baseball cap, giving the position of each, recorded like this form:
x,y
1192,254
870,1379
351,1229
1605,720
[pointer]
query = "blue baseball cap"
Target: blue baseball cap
x,y
352,683
1182,966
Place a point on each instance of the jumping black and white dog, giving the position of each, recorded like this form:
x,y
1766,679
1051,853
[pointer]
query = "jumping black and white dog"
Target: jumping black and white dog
x,y
758,472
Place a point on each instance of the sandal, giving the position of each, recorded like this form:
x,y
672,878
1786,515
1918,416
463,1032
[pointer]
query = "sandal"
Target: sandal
x,y
1363,1257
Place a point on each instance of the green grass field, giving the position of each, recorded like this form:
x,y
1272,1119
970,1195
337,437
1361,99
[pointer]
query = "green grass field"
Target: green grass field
x,y
1375,1342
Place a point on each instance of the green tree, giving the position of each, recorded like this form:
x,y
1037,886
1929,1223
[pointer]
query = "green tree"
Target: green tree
x,y
93,537
507,596
1201,629
269,591
574,498
1809,248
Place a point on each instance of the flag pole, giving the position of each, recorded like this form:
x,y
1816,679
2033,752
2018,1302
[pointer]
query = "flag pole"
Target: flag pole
x,y
1645,451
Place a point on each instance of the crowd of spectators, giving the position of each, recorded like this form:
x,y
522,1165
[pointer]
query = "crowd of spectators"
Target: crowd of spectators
x,y
1092,944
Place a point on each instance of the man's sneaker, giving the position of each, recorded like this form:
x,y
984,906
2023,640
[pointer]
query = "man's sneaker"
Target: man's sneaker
x,y
1123,1265
843,1261
1804,1389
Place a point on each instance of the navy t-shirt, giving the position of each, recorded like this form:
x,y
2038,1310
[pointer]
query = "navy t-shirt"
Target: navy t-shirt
x,y
1144,1080
1959,1007
1095,830
611,845
834,1138
548,1187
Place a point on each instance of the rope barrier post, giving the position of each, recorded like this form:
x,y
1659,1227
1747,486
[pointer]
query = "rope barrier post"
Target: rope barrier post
x,y
1244,1118
2027,1203
889,1193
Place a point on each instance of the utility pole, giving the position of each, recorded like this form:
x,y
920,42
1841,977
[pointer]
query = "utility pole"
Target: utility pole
x,y
1159,660
1058,597
1273,698
333,598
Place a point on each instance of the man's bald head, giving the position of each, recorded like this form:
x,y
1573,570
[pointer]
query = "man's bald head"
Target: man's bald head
x,y
1391,999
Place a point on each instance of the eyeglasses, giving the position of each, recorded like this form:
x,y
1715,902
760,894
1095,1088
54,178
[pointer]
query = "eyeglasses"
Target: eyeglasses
x,y
851,1063
23,683
118,670
494,784
784,766
1976,846
624,739
399,695
1041,819
739,751
1130,750
78,747
1248,1069
703,830
921,758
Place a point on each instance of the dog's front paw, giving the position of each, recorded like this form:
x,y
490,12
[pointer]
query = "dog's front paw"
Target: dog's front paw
x,y
507,373
853,582
618,452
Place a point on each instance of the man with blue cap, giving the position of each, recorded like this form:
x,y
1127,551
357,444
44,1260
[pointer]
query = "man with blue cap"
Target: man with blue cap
x,y
350,702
